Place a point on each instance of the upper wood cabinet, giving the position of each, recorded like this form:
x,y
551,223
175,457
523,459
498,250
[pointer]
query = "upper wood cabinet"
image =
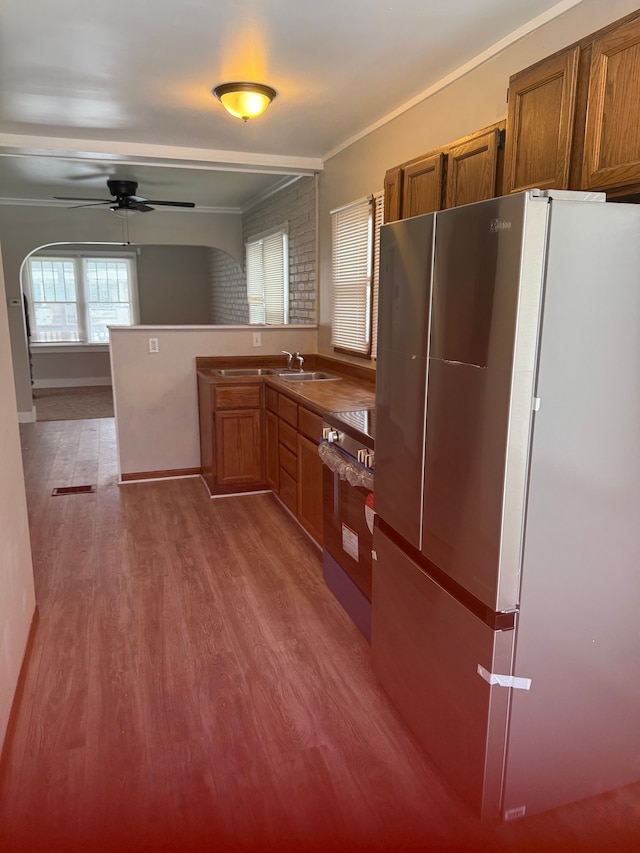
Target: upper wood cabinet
x,y
574,118
612,135
462,172
540,122
422,186
393,195
472,166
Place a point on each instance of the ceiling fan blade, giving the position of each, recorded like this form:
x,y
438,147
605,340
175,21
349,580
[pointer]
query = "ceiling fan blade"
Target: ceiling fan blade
x,y
90,204
138,205
75,198
171,203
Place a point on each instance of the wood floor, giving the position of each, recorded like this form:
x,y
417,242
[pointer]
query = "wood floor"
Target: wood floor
x,y
193,686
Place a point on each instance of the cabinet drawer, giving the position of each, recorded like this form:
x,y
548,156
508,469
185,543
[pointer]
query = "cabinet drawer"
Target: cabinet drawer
x,y
288,491
288,410
271,399
289,461
309,424
287,436
238,396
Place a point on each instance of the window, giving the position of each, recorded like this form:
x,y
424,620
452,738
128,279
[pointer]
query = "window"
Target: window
x,y
268,278
355,262
74,298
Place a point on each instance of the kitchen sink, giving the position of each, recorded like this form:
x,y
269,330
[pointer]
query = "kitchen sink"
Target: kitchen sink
x,y
306,376
246,371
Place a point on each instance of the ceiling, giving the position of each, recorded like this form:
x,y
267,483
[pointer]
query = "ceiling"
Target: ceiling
x,y
123,88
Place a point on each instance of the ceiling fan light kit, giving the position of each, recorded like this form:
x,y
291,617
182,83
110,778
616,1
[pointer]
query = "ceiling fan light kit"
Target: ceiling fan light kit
x,y
244,100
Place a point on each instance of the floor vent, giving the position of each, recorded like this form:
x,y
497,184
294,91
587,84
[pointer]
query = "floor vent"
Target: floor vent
x,y
73,490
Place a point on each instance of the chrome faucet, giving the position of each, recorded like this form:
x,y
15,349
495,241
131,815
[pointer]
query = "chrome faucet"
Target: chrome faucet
x,y
297,357
290,357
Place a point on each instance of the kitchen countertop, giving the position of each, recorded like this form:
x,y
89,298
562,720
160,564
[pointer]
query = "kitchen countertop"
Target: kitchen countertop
x,y
324,395
327,395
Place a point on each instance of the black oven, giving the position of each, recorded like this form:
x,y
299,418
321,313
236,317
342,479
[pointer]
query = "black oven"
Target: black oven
x,y
347,451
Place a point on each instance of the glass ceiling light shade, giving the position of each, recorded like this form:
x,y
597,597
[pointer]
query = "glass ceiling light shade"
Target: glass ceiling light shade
x,y
244,100
123,212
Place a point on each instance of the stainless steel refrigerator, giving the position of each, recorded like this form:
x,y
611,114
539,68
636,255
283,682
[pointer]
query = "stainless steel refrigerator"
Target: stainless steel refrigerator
x,y
506,573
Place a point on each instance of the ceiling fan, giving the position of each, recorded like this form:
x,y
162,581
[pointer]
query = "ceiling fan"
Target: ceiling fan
x,y
124,198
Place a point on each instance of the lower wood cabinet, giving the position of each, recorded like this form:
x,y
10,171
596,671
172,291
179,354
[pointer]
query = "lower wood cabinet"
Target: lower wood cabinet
x,y
310,487
294,469
272,460
254,437
238,441
231,435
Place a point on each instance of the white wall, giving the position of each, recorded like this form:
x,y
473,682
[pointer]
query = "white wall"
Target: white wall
x,y
24,228
156,396
474,101
173,285
17,597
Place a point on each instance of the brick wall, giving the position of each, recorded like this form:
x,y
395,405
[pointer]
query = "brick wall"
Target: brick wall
x,y
296,206
228,290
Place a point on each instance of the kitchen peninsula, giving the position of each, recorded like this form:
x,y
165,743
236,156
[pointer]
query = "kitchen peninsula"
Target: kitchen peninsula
x,y
262,431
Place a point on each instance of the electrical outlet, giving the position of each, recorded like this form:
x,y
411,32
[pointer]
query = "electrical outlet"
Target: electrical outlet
x,y
153,345
257,339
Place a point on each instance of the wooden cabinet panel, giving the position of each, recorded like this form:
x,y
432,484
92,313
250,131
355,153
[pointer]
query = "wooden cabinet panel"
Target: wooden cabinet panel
x,y
271,399
393,194
288,461
288,491
288,410
238,448
422,186
272,466
540,124
612,135
309,424
287,436
471,169
239,396
205,422
310,488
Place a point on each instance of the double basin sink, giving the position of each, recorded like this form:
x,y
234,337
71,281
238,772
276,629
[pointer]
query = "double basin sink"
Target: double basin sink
x,y
287,375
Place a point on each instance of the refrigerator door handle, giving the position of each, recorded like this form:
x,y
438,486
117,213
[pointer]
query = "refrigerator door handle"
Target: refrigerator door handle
x,y
504,680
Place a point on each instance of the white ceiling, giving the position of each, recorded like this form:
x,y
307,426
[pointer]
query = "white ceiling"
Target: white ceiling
x,y
122,88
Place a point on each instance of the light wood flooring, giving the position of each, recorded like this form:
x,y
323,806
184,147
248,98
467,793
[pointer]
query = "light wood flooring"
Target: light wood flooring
x,y
193,686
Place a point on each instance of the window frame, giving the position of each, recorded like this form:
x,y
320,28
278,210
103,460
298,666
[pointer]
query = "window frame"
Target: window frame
x,y
281,231
79,258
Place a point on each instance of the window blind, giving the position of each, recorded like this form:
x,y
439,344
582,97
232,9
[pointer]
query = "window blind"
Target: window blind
x,y
378,217
352,229
267,279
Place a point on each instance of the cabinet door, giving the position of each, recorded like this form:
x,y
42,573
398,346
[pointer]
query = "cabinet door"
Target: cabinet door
x,y
540,121
238,448
612,136
393,195
422,186
472,167
271,449
310,488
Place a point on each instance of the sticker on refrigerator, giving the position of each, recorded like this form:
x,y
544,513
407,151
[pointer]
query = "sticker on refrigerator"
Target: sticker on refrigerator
x,y
369,512
350,541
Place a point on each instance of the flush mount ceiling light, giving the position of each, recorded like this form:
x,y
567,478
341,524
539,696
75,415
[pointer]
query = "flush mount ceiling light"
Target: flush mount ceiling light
x,y
244,100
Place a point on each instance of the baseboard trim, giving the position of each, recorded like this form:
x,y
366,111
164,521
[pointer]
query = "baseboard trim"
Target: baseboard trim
x,y
174,474
83,382
27,417
19,692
